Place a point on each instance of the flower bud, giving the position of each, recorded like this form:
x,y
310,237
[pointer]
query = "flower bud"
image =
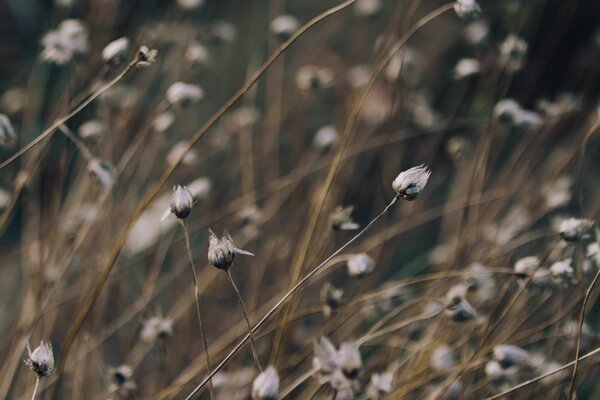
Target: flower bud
x,y
41,360
460,310
467,8
116,51
284,26
409,184
221,252
182,201
574,229
182,94
349,360
266,385
360,265
527,266
509,355
146,57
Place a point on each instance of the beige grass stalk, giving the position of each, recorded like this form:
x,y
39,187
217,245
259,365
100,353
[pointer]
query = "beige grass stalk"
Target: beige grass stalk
x,y
94,292
197,296
35,388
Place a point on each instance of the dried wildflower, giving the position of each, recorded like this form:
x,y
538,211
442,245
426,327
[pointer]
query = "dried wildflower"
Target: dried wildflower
x,y
122,380
565,103
409,184
91,129
443,358
494,370
466,67
512,53
460,310
507,112
189,4
183,94
156,329
562,272
284,26
116,51
190,158
104,172
146,57
241,119
8,137
325,356
509,355
314,77
558,192
529,120
467,8
360,265
481,283
182,202
476,32
41,359
69,39
526,266
266,385
380,385
575,229
541,279
163,121
222,32
367,8
196,53
349,360
221,252
341,219
325,137
331,298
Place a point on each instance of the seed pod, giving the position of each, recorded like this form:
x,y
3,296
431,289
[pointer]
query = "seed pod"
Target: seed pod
x,y
41,360
409,184
116,51
182,201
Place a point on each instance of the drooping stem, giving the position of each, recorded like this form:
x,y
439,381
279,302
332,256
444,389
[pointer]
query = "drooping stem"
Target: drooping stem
x,y
241,301
197,295
35,389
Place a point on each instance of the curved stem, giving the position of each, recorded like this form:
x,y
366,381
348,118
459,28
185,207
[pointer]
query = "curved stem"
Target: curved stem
x,y
197,295
35,389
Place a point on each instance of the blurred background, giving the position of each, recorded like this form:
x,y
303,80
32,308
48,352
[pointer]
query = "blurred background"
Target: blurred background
x,y
502,105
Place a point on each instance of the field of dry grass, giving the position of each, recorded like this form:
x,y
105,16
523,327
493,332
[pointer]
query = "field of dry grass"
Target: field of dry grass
x,y
301,199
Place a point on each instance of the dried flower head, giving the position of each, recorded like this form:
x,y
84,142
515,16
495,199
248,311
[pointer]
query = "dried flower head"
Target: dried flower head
x,y
163,121
349,360
575,229
360,265
197,53
284,26
341,219
91,129
527,265
266,385
116,51
460,310
314,77
507,112
509,355
467,8
122,380
41,359
325,356
512,53
8,137
466,67
380,385
146,57
156,329
104,172
331,298
183,94
562,272
443,358
69,39
326,137
182,202
221,252
409,184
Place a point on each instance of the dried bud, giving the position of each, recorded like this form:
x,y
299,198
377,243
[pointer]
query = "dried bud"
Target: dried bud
x,y
122,380
409,184
104,172
41,360
116,51
575,229
466,67
183,94
341,219
146,57
527,266
331,297
325,356
562,272
284,26
467,8
91,129
156,329
314,77
266,385
182,201
380,385
360,265
507,112
8,137
460,310
512,53
349,360
221,252
509,355
443,358
325,137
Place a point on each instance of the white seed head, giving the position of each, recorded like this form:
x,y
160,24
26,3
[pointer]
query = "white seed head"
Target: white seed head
x,y
331,298
312,77
527,265
8,137
69,39
466,67
284,26
512,53
494,370
380,385
341,219
122,380
41,359
182,201
156,329
460,310
222,32
349,360
507,112
190,158
409,184
183,94
509,355
197,53
443,358
266,385
575,229
326,137
360,265
146,57
163,121
104,172
476,32
221,252
558,193
116,51
467,8
325,356
91,129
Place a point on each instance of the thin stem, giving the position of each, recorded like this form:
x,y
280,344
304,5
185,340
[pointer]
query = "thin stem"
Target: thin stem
x,y
35,389
87,154
580,328
239,296
281,301
197,295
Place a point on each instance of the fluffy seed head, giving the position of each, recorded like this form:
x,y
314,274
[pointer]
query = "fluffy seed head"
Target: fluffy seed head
x,y
467,8
360,265
146,57
284,26
341,219
266,385
41,359
183,94
221,252
349,360
156,329
409,184
182,201
116,51
527,265
575,229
